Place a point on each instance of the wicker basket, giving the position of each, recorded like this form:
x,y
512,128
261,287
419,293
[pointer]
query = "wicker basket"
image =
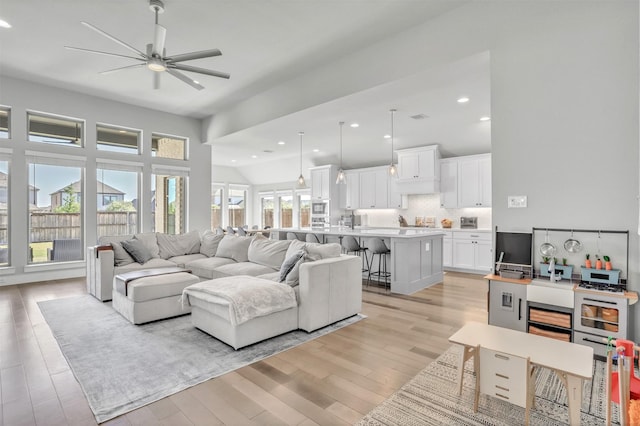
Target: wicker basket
x,y
589,311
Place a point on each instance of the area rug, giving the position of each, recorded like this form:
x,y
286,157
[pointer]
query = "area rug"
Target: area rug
x,y
121,366
431,398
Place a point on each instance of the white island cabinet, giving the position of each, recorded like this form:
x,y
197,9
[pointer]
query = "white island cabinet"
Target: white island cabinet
x,y
415,261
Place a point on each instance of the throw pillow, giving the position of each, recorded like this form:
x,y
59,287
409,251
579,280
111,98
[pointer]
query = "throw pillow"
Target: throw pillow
x,y
150,241
209,243
293,277
234,247
178,245
289,264
295,246
120,255
137,250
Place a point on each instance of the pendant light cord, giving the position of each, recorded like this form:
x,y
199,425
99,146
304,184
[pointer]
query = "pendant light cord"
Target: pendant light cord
x,y
392,113
341,124
300,134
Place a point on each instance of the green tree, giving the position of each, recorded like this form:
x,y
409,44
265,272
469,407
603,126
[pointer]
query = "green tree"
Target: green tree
x,y
69,204
121,206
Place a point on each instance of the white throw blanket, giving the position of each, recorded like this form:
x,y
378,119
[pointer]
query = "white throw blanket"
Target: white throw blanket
x,y
247,297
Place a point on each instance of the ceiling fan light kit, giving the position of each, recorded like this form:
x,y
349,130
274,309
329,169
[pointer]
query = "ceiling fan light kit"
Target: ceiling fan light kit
x,y
155,58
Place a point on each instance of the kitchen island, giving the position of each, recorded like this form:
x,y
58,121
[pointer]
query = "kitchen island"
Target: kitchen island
x,y
415,261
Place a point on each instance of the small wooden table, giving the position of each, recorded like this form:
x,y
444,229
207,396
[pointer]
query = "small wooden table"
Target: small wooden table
x,y
571,362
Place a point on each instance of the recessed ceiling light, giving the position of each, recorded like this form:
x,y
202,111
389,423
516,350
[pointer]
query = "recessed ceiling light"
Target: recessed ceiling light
x,y
254,156
316,150
387,136
485,118
354,125
280,142
4,24
233,161
122,131
463,100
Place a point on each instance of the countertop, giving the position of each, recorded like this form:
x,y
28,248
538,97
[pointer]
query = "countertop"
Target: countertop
x,y
365,231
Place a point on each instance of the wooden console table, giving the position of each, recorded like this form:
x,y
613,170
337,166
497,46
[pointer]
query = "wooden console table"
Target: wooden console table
x,y
573,363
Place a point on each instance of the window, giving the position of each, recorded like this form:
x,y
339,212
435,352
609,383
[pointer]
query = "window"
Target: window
x,y
216,206
117,197
168,205
305,210
5,121
266,210
55,130
117,139
237,207
286,210
55,212
163,146
4,213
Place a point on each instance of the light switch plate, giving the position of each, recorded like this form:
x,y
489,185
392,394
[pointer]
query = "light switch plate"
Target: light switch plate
x,y
516,201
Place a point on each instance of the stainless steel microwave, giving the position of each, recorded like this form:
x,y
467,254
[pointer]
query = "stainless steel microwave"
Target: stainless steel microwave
x,y
320,208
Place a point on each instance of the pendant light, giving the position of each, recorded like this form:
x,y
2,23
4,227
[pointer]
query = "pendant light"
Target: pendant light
x,y
393,170
301,183
341,178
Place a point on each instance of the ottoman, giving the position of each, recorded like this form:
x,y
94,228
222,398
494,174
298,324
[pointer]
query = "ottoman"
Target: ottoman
x,y
152,297
211,311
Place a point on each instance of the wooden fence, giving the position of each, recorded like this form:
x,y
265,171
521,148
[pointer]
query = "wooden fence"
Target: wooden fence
x,y
60,226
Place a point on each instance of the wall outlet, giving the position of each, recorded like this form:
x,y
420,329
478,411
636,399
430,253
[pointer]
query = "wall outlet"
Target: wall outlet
x,y
516,201
427,246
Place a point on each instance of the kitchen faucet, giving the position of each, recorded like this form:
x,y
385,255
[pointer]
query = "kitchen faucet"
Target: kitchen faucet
x,y
552,271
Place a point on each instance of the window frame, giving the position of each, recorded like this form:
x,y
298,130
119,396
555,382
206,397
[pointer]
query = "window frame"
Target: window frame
x,y
80,133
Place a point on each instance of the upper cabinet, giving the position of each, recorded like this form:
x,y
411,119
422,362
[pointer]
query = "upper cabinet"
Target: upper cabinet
x,y
351,190
371,188
323,186
465,181
419,170
374,188
474,181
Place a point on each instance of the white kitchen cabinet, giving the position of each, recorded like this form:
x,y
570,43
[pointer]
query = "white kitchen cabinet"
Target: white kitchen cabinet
x,y
472,251
449,183
351,190
374,188
474,181
447,249
395,199
320,183
419,163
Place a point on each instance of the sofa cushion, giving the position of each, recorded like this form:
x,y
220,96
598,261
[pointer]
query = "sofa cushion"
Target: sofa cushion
x,y
150,240
271,276
205,267
243,268
120,256
234,247
293,277
153,263
317,251
209,243
178,245
137,250
267,252
181,261
159,286
108,239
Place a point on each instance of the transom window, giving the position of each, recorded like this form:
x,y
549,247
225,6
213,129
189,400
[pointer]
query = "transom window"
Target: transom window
x,y
164,146
117,139
55,129
5,121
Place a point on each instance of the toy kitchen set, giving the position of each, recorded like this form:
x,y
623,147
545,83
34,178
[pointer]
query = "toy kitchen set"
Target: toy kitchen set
x,y
565,284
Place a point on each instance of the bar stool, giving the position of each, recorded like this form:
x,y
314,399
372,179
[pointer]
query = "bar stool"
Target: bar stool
x,y
351,245
230,230
241,231
219,230
312,238
291,236
377,247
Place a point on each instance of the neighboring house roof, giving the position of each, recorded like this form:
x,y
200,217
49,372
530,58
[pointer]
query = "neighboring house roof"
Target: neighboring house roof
x,y
103,188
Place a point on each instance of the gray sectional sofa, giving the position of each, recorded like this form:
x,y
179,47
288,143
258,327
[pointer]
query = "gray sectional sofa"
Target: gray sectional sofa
x,y
327,284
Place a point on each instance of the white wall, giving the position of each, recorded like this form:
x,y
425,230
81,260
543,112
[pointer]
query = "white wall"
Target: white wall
x,y
21,96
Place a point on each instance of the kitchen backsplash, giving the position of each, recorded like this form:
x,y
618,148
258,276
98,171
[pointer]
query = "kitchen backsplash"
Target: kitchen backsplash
x,y
423,205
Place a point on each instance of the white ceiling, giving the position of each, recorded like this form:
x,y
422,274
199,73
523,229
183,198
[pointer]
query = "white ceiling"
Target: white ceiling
x,y
264,43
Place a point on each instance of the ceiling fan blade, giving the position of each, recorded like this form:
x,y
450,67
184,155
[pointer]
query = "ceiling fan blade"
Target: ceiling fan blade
x,y
199,70
110,37
156,80
186,79
99,52
159,39
122,68
193,55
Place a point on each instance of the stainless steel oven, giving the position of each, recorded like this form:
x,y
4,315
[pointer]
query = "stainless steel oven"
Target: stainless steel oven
x,y
320,214
599,314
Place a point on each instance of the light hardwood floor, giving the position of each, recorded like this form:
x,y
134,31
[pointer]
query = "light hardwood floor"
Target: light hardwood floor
x,y
333,380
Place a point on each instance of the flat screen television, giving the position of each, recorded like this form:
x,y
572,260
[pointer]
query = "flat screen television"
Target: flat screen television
x,y
516,247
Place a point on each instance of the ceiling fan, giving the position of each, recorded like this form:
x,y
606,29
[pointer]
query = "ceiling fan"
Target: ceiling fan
x,y
156,58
